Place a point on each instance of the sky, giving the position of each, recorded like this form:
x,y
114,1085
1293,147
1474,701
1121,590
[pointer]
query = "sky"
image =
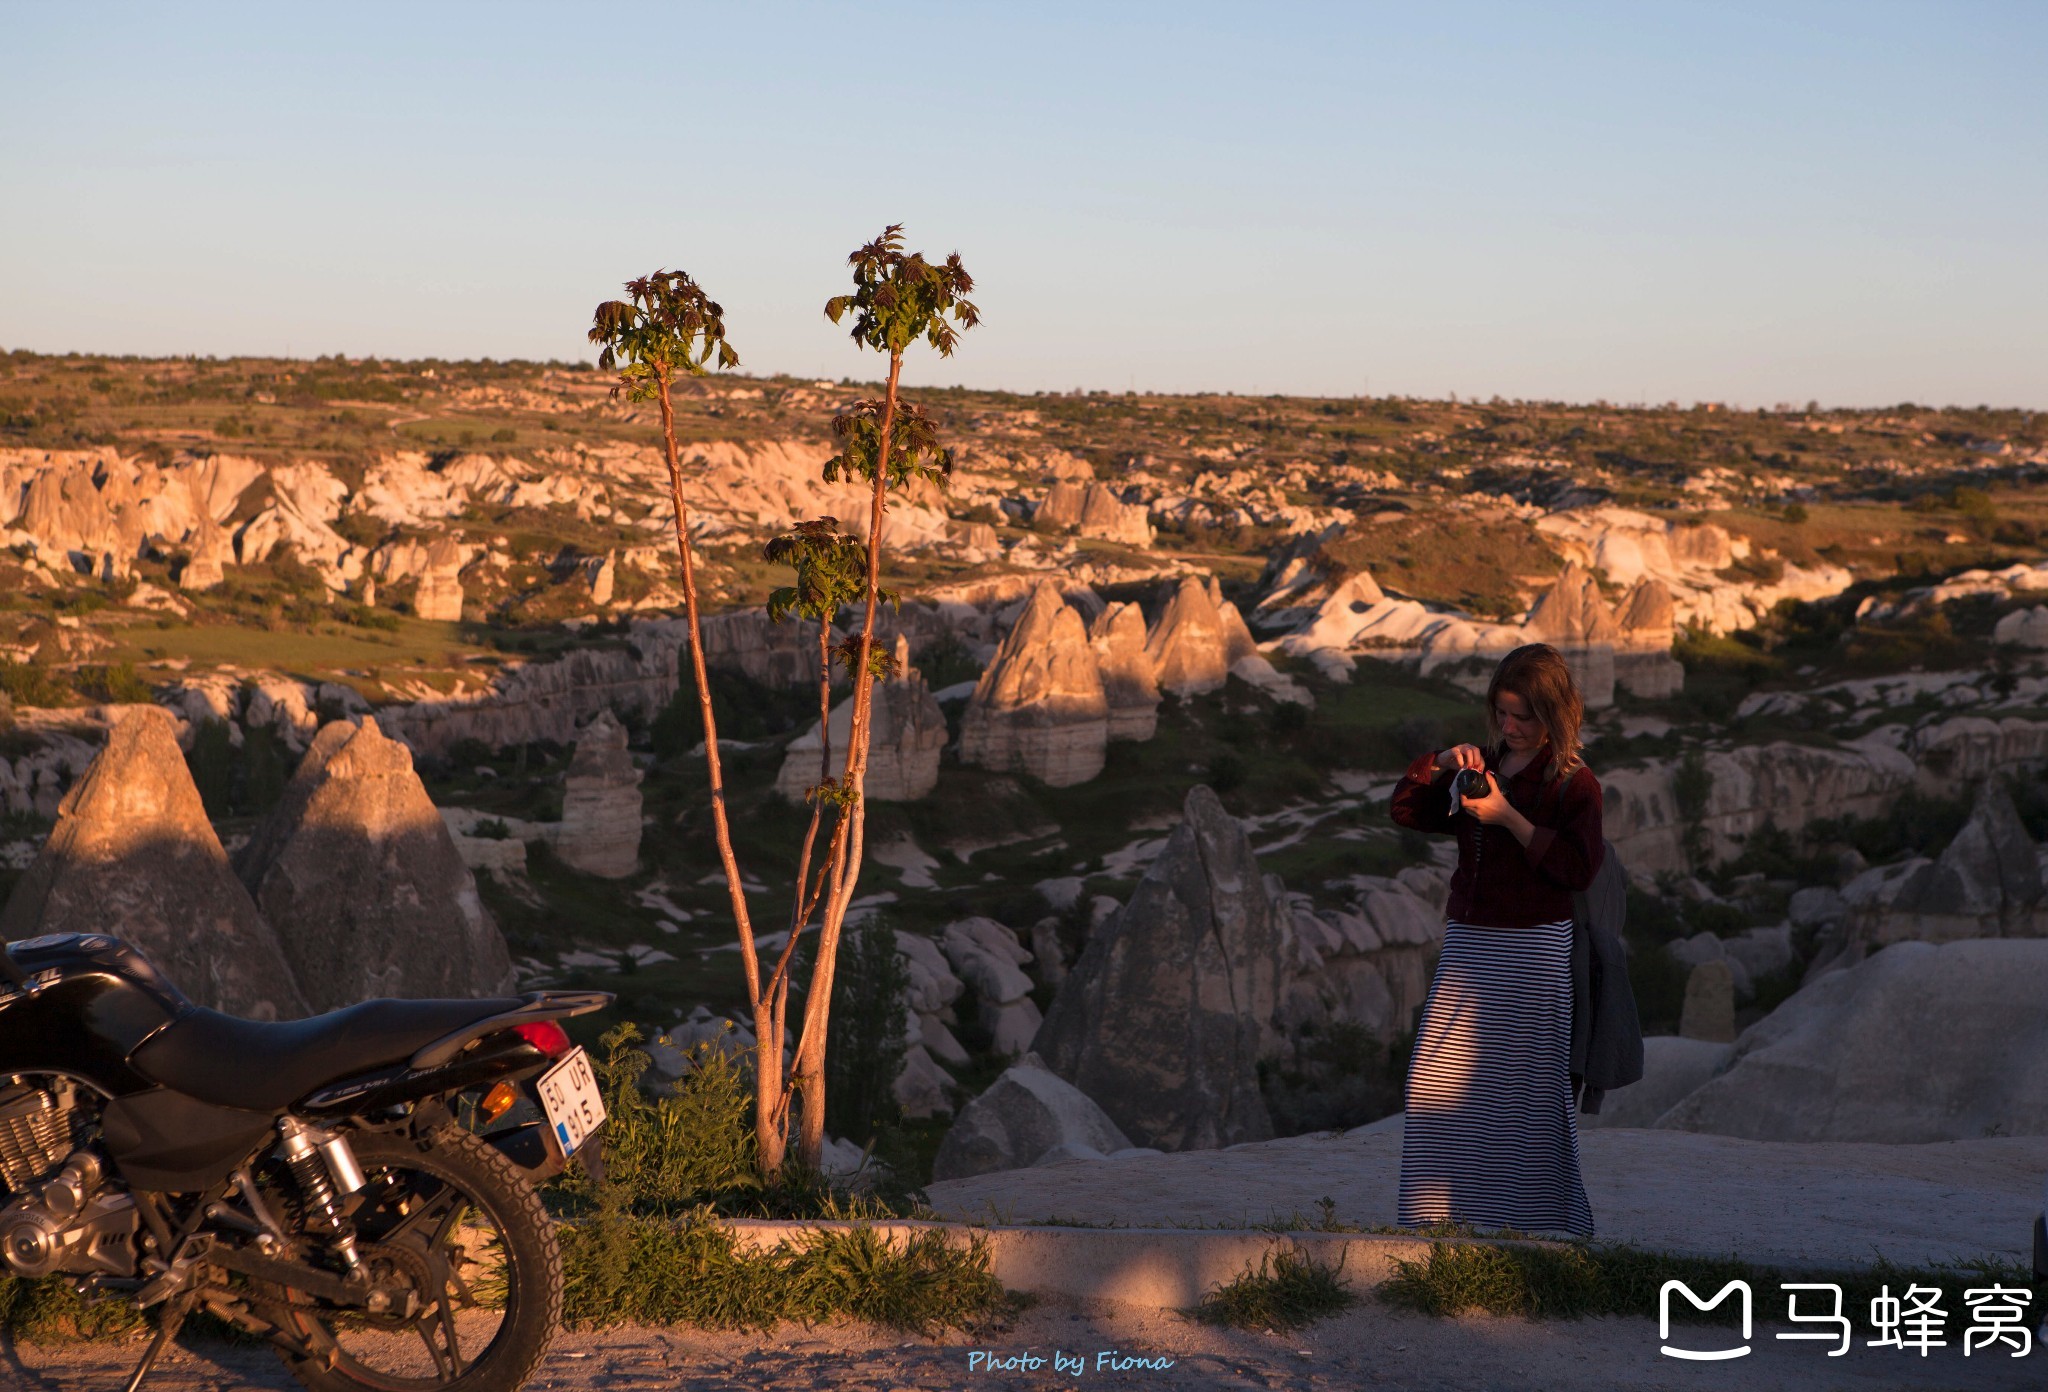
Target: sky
x,y
1748,203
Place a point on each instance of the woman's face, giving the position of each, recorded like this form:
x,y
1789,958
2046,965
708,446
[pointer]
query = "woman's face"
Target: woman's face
x,y
1518,724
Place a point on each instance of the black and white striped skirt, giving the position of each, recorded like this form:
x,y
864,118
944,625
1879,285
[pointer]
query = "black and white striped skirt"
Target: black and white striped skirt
x,y
1491,1139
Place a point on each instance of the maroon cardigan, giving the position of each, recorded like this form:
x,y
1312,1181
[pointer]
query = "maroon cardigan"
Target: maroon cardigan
x,y
1513,886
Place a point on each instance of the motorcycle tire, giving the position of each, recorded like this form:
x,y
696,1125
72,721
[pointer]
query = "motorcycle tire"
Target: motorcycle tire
x,y
527,1284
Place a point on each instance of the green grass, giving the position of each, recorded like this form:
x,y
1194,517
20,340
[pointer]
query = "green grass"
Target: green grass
x,y
690,1270
317,653
1282,1293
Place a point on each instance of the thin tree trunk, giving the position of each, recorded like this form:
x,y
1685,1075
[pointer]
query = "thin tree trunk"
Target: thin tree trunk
x,y
769,1138
810,1055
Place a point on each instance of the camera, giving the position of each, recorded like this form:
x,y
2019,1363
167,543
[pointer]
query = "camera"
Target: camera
x,y
1467,783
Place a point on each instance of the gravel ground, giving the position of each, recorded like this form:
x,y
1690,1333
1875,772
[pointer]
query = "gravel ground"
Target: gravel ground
x,y
1669,1190
1370,1347
1831,1204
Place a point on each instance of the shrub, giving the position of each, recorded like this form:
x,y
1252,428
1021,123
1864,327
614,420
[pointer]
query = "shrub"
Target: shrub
x,y
743,708
265,768
1691,786
864,1045
692,1143
946,661
212,761
118,683
1227,772
32,684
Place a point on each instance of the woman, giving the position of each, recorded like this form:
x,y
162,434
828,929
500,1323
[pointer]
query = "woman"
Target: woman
x,y
1491,1139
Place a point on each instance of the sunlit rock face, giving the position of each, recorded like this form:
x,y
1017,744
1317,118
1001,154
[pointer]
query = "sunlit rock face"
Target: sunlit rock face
x,y
1198,636
1128,683
1039,708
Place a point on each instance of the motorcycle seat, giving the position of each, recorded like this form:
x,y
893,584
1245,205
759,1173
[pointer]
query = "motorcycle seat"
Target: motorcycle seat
x,y
266,1065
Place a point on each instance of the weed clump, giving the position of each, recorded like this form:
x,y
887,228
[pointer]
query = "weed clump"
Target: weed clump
x,y
1285,1292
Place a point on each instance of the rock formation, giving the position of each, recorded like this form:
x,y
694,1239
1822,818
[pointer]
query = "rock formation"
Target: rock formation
x,y
1367,966
133,855
1028,1116
1785,784
1986,884
1627,546
211,554
1166,1014
907,733
1749,956
1673,1067
1920,1042
534,701
600,831
1573,617
932,990
2023,628
1039,708
1128,682
988,957
440,593
1643,664
357,872
1093,511
604,577
1198,636
1709,1009
749,642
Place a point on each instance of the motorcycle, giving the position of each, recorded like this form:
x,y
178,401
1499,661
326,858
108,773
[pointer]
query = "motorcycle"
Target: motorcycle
x,y
357,1188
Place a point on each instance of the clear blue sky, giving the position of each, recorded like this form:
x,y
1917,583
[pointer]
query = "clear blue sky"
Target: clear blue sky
x,y
1753,202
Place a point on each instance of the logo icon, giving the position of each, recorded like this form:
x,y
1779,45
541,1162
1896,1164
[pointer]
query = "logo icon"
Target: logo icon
x,y
1699,1355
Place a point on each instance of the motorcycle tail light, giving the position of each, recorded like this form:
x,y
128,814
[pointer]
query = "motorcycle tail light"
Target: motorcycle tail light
x,y
546,1036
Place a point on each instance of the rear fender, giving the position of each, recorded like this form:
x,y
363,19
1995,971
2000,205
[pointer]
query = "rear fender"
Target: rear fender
x,y
493,1060
537,1007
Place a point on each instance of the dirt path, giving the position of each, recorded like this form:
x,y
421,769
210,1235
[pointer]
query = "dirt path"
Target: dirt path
x,y
1781,1203
1371,1347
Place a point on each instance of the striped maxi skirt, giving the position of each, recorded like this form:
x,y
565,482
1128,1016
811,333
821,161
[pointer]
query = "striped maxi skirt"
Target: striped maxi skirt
x,y
1491,1138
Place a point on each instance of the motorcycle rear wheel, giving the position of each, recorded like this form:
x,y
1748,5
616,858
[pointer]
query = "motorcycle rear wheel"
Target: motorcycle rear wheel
x,y
456,1222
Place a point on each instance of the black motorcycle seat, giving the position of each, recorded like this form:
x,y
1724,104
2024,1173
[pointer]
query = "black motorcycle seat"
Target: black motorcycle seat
x,y
268,1065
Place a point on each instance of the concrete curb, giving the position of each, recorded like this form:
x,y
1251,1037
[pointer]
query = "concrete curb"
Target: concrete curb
x,y
1151,1268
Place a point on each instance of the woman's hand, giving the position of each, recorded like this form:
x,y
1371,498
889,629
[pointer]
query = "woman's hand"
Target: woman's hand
x,y
1463,756
1495,810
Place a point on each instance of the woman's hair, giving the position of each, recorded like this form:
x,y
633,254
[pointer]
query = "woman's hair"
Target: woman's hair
x,y
1537,673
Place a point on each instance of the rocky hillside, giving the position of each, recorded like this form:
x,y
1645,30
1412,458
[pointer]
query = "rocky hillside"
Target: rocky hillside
x,y
1811,641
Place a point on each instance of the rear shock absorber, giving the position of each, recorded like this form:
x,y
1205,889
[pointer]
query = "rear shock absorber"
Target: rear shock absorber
x,y
327,1173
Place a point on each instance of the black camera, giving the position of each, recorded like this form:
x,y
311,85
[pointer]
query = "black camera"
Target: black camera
x,y
1467,783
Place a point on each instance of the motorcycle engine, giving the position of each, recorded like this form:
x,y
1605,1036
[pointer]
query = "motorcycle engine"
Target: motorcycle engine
x,y
37,1132
59,1218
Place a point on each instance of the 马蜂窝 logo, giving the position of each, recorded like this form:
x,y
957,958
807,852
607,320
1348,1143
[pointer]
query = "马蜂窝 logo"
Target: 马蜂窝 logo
x,y
1699,1355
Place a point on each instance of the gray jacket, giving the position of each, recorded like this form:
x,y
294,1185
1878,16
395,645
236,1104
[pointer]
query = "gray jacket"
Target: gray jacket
x,y
1607,1037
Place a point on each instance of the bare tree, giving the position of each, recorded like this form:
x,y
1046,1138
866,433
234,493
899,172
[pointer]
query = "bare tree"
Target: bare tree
x,y
669,326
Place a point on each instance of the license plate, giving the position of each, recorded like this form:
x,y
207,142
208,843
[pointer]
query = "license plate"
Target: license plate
x,y
568,1094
